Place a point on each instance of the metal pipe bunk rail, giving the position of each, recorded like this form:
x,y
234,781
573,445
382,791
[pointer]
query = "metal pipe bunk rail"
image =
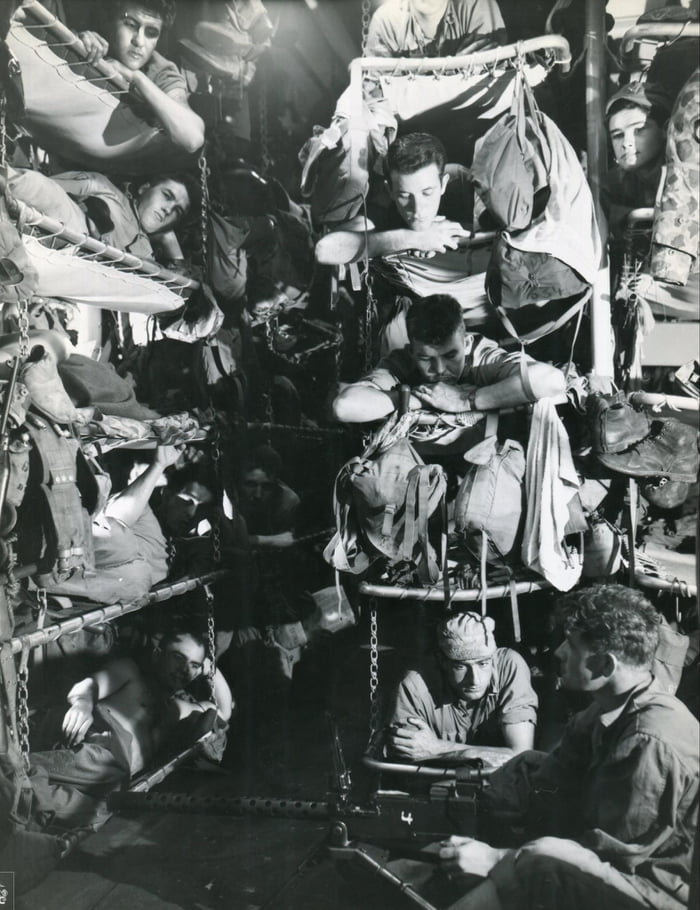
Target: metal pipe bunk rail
x,y
32,218
68,39
436,593
103,614
657,32
418,65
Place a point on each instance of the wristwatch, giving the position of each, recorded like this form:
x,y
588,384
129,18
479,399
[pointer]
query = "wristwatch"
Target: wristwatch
x,y
471,401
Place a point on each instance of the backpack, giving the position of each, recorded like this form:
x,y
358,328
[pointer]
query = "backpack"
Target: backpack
x,y
383,500
489,509
54,527
511,164
336,162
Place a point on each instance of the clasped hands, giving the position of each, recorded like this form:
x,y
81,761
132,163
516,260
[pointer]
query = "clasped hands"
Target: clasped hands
x,y
444,396
414,740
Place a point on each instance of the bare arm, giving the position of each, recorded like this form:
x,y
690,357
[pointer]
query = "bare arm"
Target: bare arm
x,y
343,247
222,696
546,381
128,505
85,694
362,403
416,742
182,124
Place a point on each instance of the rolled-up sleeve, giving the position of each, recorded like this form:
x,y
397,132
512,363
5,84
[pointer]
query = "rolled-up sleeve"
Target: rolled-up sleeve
x,y
517,698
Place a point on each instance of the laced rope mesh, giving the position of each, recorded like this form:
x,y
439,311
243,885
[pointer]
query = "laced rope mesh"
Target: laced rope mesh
x,y
78,109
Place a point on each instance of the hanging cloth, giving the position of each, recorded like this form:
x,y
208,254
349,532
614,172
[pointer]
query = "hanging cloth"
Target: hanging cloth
x,y
551,483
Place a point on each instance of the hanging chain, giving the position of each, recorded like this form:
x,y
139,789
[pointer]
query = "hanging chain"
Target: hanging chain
x,y
366,16
204,174
23,315
211,636
262,111
23,706
3,130
370,309
300,357
373,669
216,524
337,360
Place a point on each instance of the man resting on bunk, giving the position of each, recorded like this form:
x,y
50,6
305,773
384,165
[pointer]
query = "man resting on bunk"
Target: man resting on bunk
x,y
434,28
124,716
448,370
471,700
132,32
89,203
417,243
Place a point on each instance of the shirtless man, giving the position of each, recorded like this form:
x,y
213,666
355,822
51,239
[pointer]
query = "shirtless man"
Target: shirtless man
x,y
133,30
120,718
146,704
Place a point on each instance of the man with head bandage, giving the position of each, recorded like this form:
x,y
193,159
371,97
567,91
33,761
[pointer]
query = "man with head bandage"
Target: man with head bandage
x,y
471,700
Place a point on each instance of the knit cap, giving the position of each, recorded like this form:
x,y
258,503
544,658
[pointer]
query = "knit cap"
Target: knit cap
x,y
467,636
642,94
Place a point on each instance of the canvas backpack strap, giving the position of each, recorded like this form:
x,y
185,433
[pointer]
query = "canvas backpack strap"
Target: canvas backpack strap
x,y
343,551
424,487
68,532
411,517
529,337
482,572
535,121
514,611
443,545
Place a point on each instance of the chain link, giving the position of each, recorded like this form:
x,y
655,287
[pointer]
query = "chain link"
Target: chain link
x,y
263,124
23,314
301,357
299,429
366,16
3,130
204,174
216,523
373,669
23,707
370,310
211,636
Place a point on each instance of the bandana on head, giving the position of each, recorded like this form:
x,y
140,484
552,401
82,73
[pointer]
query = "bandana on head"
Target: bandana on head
x,y
467,636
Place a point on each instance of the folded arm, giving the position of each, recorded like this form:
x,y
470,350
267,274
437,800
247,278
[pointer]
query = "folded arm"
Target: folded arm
x,y
415,741
343,247
85,694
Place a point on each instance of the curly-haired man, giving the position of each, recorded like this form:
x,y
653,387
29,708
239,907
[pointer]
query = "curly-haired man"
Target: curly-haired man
x,y
615,804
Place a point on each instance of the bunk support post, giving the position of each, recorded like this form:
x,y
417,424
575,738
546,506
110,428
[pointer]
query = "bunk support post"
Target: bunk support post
x,y
596,148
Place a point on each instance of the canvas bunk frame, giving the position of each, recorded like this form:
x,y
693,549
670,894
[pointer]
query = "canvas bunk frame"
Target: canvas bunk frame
x,y
54,234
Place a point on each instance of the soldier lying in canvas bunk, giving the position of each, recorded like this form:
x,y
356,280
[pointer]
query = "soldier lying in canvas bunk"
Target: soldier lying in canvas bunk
x,y
122,718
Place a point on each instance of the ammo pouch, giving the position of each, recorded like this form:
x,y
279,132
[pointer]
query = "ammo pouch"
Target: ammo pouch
x,y
56,531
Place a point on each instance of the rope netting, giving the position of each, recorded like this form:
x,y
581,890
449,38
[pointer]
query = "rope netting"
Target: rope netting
x,y
81,111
